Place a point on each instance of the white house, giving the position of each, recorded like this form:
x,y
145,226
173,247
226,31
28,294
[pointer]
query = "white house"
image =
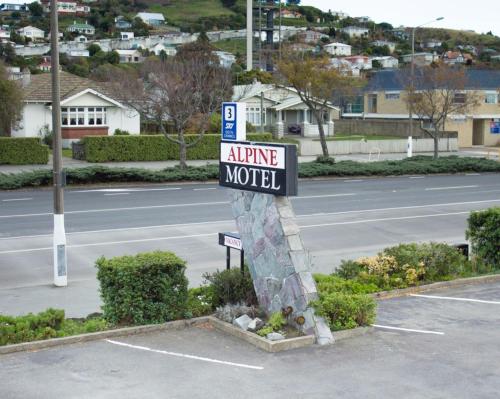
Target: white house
x,y
345,67
283,111
384,43
68,7
386,61
361,61
226,60
421,59
432,43
126,35
81,39
158,48
151,18
133,56
340,14
338,49
84,29
355,31
32,33
16,5
87,109
4,35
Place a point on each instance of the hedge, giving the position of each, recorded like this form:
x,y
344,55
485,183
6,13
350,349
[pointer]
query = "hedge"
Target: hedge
x,y
143,289
23,151
103,174
154,147
484,235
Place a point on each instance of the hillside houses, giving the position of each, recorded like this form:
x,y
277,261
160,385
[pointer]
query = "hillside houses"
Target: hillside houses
x,y
341,49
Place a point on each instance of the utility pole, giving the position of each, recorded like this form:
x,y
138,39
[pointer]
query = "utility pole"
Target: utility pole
x,y
249,35
59,243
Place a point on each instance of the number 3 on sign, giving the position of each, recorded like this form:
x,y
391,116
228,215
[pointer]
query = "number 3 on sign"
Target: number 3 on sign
x,y
229,112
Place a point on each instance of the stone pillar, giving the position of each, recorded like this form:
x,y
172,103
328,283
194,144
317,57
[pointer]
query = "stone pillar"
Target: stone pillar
x,y
278,262
280,129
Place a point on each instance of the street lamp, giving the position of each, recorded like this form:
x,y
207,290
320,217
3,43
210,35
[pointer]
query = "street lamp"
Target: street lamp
x,y
412,88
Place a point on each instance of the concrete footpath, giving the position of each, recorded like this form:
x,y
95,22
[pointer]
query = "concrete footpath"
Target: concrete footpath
x,y
480,152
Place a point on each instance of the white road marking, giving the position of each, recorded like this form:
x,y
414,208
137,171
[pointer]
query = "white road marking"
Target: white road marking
x,y
133,208
98,244
417,177
473,174
352,181
384,219
449,188
408,330
323,196
203,359
449,298
204,189
111,190
109,195
16,199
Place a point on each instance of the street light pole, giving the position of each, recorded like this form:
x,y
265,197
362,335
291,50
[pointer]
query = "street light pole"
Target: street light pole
x,y
59,242
412,86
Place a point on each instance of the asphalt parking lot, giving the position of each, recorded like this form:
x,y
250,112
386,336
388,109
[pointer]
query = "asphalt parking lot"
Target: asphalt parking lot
x,y
445,344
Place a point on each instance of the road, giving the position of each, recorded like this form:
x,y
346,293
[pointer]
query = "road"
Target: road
x,y
339,218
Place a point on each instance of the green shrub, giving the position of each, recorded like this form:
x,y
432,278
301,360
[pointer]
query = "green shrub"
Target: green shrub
x,y
332,283
231,287
23,151
142,289
349,269
44,325
484,234
199,302
153,147
345,311
275,324
119,132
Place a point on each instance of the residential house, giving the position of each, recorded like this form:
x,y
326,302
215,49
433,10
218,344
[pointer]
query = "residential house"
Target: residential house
x,y
355,31
338,49
401,33
311,36
84,29
361,61
384,43
122,23
133,56
4,35
421,59
290,14
385,93
226,60
432,44
283,111
126,35
456,57
67,7
31,32
16,5
363,20
45,65
340,14
169,51
345,67
495,58
386,62
301,48
151,18
88,108
81,39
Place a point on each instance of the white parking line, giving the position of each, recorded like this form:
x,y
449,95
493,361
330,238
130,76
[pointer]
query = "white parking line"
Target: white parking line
x,y
204,189
352,181
449,188
408,330
110,195
203,359
115,190
323,196
417,177
449,298
16,199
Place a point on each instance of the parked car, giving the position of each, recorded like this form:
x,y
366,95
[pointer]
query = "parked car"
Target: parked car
x,y
295,129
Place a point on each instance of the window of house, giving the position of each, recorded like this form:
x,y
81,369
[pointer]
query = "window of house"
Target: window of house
x,y
253,115
491,97
459,98
392,95
83,116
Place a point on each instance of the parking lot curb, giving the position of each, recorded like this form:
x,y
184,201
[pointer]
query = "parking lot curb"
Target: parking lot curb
x,y
119,332
353,333
260,342
440,285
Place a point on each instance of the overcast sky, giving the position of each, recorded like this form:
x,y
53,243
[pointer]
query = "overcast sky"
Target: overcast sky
x,y
478,15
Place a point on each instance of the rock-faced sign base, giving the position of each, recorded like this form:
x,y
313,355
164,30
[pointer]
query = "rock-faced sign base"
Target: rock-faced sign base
x,y
279,264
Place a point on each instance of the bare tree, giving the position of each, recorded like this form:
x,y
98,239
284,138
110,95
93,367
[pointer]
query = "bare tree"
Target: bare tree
x,y
182,91
316,83
440,92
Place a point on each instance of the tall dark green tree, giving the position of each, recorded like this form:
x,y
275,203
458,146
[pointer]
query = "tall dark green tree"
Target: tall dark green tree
x,y
11,103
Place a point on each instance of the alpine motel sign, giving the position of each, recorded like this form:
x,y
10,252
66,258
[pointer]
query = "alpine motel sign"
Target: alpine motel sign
x,y
262,167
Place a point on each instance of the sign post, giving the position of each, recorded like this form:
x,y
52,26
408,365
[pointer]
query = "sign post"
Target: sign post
x,y
234,122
